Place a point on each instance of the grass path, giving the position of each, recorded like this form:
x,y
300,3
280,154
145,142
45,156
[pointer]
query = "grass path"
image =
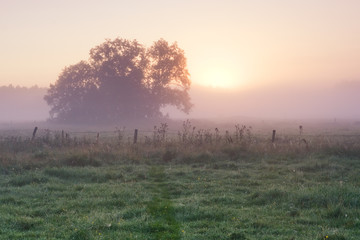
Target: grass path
x,y
162,224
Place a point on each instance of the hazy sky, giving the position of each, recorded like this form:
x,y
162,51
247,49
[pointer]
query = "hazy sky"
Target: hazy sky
x,y
228,43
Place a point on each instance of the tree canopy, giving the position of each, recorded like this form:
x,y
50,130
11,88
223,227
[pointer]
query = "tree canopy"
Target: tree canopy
x,y
122,80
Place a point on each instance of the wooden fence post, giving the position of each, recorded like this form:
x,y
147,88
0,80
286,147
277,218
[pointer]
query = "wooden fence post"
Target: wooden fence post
x,y
97,138
135,136
273,136
34,133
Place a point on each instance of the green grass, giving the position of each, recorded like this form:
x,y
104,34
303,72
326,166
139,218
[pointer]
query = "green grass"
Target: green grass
x,y
173,191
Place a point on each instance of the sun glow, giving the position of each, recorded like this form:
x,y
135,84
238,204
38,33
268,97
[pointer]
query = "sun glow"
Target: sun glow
x,y
221,69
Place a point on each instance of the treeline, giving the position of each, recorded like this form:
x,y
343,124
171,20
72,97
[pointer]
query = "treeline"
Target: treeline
x,y
10,90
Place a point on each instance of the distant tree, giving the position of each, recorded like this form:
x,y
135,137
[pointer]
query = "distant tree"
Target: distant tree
x,y
122,80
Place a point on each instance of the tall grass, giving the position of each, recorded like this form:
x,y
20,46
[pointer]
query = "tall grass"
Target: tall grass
x,y
189,144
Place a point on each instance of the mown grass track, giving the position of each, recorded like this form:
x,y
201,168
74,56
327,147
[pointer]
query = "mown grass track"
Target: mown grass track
x,y
163,224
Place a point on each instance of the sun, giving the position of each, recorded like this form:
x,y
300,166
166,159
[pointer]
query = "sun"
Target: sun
x,y
218,77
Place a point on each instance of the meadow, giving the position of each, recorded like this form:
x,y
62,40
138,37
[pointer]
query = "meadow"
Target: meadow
x,y
188,184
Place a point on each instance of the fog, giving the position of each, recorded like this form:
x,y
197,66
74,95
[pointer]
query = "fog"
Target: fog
x,y
277,102
339,101
20,104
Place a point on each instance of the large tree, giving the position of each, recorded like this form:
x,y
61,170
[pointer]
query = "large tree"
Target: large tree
x,y
122,80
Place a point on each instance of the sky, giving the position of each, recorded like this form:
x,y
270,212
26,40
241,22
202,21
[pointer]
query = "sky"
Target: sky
x,y
242,44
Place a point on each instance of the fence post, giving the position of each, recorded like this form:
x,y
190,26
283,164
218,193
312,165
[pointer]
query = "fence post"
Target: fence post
x,y
135,136
273,136
34,133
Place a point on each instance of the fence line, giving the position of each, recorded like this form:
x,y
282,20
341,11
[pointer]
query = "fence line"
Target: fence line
x,y
146,133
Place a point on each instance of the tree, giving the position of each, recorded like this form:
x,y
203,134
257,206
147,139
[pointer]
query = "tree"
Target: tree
x,y
122,80
168,80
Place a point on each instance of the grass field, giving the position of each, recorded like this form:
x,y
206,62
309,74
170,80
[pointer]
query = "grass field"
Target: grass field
x,y
190,188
